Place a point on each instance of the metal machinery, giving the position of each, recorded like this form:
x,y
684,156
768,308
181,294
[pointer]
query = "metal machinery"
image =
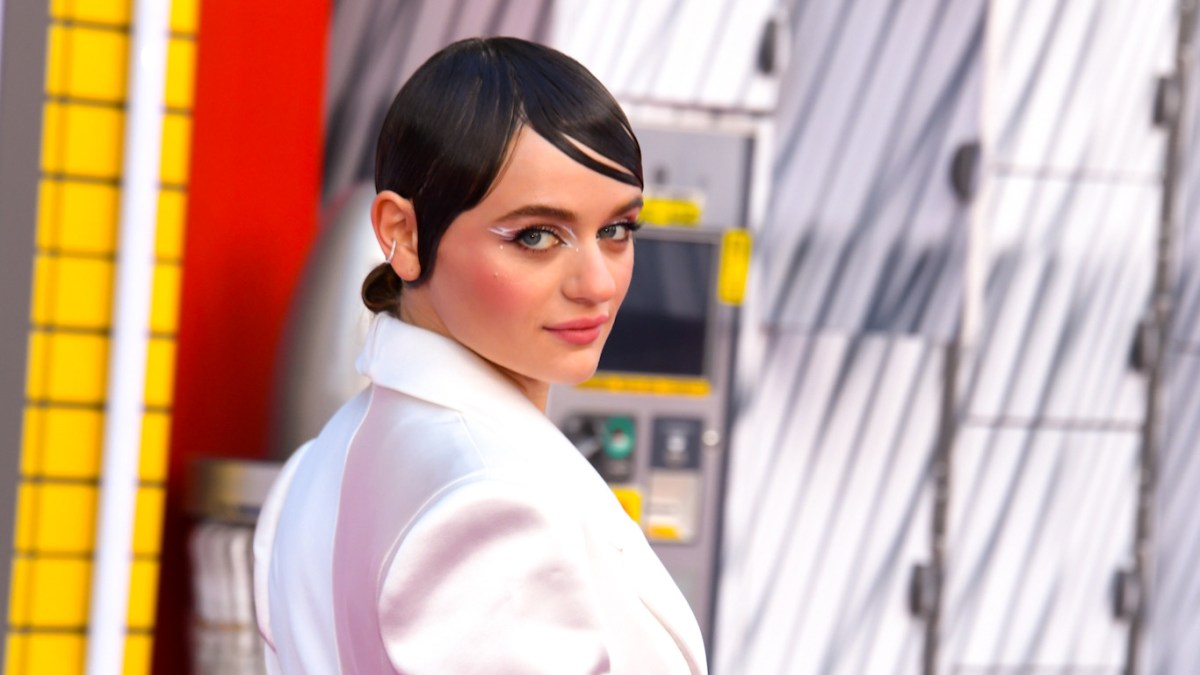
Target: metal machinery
x,y
224,498
654,419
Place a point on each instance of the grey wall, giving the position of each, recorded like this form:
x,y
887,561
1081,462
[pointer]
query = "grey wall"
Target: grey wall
x,y
23,45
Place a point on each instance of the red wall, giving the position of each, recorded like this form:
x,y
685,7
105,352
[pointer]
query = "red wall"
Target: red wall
x,y
252,213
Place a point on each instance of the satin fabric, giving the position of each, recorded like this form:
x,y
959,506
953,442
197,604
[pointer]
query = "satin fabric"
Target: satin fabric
x,y
441,524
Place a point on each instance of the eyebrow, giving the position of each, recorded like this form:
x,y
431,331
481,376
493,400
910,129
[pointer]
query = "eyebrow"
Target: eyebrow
x,y
557,213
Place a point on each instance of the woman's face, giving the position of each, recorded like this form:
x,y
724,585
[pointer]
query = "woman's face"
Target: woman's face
x,y
532,277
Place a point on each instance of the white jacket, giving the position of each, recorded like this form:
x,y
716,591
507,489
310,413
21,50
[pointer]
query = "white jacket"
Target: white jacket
x,y
441,524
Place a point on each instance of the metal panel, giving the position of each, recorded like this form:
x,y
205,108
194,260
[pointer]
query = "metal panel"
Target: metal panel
x,y
375,45
673,52
1074,86
1071,263
827,504
1044,519
864,231
1174,626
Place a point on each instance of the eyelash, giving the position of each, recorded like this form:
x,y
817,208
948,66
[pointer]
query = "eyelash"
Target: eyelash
x,y
631,226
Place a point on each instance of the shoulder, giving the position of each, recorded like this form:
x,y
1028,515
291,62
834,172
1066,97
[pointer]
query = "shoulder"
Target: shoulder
x,y
495,565
264,537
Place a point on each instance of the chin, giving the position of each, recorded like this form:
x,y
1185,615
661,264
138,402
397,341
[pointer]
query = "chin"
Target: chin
x,y
574,376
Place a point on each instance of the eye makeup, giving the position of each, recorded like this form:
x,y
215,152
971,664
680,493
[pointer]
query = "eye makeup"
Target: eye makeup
x,y
566,236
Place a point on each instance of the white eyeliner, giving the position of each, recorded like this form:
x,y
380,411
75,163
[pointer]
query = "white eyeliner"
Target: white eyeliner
x,y
567,236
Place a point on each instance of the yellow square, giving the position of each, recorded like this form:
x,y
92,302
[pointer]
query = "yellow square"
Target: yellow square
x,y
55,653
156,439
138,649
35,366
184,16
160,372
93,142
27,516
41,309
16,655
89,217
53,130
60,593
164,302
66,518
56,59
74,438
155,446
176,146
78,367
97,61
111,12
49,213
33,440
147,521
143,593
172,211
18,605
82,293
181,69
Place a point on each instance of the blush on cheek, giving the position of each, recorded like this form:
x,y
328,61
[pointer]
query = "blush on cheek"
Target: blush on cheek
x,y
497,291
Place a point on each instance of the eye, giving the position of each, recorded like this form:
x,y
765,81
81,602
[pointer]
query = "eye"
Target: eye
x,y
622,231
537,239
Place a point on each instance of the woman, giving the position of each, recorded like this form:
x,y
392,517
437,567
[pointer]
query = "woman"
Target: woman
x,y
440,523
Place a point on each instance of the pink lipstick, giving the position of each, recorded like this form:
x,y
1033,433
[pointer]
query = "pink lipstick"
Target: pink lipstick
x,y
579,331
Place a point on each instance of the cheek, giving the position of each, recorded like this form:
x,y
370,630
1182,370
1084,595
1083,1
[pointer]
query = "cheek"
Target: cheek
x,y
497,291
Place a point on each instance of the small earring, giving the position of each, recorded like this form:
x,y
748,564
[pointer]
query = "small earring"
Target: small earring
x,y
391,254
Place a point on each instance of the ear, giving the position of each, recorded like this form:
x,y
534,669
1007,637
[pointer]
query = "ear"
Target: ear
x,y
395,220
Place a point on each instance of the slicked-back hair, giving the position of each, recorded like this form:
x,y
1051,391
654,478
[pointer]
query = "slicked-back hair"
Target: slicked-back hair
x,y
451,128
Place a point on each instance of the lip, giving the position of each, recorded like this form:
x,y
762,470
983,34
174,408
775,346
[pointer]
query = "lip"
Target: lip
x,y
579,331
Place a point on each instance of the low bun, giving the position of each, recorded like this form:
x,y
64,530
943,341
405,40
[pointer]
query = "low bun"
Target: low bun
x,y
381,290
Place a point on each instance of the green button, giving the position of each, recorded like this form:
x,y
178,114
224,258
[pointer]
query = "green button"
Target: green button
x,y
618,437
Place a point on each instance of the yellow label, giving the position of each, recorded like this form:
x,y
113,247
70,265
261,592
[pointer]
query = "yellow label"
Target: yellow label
x,y
663,531
630,500
671,211
649,384
735,266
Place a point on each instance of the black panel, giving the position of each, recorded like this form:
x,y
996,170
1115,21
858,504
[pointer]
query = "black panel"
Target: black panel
x,y
662,327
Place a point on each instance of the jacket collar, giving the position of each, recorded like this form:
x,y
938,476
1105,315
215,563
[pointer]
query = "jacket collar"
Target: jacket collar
x,y
435,368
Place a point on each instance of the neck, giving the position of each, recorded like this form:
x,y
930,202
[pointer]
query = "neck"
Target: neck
x,y
419,315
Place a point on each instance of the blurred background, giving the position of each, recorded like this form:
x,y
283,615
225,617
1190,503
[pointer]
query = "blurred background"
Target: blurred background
x,y
907,382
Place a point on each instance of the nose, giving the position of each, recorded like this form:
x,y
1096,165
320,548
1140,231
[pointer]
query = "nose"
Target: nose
x,y
590,278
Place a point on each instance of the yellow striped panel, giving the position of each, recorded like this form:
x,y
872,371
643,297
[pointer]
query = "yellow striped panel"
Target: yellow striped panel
x,y
79,203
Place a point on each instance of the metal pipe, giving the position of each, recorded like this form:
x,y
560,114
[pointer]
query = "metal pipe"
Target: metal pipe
x,y
129,339
942,470
1160,321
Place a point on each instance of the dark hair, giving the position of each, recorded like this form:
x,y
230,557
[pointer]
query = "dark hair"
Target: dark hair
x,y
449,132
